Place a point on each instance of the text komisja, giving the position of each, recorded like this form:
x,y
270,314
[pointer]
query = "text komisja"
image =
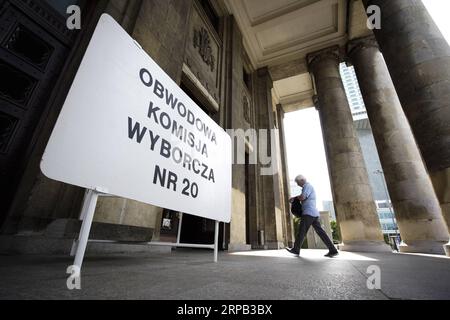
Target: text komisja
x,y
194,134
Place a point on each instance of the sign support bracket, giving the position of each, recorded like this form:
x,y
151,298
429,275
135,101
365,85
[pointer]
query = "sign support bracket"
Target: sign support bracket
x,y
87,216
216,237
216,240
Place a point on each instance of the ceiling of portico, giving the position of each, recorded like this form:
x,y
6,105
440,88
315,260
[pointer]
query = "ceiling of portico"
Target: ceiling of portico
x,y
279,34
278,31
294,93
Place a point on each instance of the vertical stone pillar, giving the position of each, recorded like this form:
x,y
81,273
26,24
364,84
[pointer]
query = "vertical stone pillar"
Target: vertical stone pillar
x,y
416,207
285,176
354,203
235,120
418,59
269,200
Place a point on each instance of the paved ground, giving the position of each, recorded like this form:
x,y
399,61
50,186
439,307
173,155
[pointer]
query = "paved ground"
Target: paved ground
x,y
190,274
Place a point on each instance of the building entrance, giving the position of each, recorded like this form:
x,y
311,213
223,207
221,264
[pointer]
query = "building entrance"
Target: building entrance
x,y
34,45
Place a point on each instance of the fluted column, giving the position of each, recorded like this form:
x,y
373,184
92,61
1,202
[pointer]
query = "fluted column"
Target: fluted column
x,y
417,209
354,203
418,59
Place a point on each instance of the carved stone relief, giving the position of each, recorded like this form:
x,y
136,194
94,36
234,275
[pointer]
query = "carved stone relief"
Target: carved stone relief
x,y
203,43
203,53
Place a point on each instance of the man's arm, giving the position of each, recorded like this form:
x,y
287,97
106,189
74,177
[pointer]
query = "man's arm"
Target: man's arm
x,y
300,197
306,192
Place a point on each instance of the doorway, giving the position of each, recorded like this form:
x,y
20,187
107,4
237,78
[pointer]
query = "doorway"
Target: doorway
x,y
34,46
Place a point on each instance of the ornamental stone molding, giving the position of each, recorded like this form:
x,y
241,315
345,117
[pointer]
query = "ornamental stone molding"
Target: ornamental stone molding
x,y
318,56
361,43
203,43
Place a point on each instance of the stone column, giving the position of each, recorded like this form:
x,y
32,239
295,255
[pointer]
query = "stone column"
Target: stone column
x,y
285,174
269,210
416,207
418,59
354,203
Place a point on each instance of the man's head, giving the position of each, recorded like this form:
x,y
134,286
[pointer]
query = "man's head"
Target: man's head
x,y
300,180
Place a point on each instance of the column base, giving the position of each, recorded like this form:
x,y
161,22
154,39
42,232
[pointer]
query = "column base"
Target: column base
x,y
365,246
447,249
425,246
234,247
275,245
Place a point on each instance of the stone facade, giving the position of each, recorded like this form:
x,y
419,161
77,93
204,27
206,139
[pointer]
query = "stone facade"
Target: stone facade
x,y
204,47
205,55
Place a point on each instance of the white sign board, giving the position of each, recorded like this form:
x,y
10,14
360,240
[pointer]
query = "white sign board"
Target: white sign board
x,y
128,129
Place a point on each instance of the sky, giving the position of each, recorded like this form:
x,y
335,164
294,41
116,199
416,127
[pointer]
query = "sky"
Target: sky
x,y
304,142
306,151
439,10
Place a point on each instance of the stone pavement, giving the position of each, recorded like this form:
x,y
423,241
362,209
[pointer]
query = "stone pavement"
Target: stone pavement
x,y
187,274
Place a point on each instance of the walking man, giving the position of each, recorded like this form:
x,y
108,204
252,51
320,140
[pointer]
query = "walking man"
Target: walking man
x,y
310,217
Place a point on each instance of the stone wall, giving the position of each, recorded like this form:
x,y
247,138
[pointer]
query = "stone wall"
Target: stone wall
x,y
237,121
165,30
42,201
161,29
269,203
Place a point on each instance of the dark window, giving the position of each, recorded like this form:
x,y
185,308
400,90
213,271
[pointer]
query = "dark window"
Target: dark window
x,y
212,16
7,127
383,205
15,86
28,46
194,98
247,79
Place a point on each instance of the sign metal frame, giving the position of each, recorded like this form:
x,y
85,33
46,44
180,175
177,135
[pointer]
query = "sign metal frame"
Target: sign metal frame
x,y
54,166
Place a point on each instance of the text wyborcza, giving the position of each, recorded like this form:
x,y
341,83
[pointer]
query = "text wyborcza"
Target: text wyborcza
x,y
192,133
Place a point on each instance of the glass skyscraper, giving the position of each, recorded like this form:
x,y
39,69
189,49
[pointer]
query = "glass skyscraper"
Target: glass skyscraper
x,y
365,136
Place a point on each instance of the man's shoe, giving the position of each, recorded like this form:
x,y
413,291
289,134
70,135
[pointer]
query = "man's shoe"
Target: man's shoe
x,y
332,254
293,251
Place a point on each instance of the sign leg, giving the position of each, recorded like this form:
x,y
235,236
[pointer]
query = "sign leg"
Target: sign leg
x,y
216,241
88,216
86,201
180,223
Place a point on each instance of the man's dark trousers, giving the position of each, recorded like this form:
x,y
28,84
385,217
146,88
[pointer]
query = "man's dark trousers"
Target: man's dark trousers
x,y
305,223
